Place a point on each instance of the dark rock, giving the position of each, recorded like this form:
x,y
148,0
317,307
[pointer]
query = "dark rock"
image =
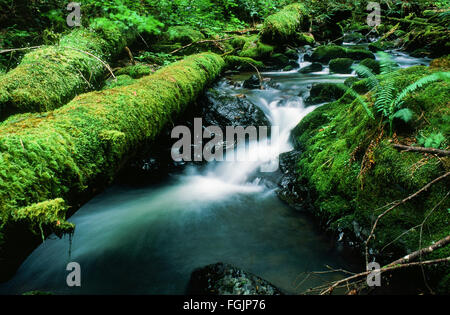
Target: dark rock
x,y
314,67
324,92
252,83
225,279
291,53
290,189
279,60
225,110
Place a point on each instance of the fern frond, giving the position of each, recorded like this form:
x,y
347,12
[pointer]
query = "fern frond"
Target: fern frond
x,y
384,97
386,63
404,114
367,73
361,101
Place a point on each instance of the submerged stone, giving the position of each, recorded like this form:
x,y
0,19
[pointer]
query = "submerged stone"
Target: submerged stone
x,y
225,279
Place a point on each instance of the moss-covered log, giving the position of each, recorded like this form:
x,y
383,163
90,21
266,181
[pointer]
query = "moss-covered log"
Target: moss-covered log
x,y
49,77
69,152
286,26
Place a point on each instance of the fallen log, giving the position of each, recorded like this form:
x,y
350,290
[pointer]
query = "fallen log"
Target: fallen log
x,y
50,76
70,152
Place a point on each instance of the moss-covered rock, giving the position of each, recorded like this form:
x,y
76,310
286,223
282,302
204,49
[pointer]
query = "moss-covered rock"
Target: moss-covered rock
x,y
254,48
435,40
341,65
325,92
381,45
352,170
72,151
372,65
285,26
324,54
50,76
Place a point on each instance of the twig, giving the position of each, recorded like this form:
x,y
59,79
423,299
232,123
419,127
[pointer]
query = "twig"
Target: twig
x,y
389,267
259,75
426,250
18,49
421,149
130,55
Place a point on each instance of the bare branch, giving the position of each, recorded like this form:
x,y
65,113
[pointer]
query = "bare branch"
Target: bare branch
x,y
421,149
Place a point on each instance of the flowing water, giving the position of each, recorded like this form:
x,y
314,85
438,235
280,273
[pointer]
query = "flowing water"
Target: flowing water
x,y
148,240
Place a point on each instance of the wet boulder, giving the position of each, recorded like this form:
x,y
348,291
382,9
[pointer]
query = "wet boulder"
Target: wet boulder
x,y
290,189
325,92
252,83
220,109
341,65
225,279
314,67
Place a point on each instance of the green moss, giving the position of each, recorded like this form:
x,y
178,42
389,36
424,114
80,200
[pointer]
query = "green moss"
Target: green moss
x,y
49,77
324,54
352,169
183,35
136,71
325,92
341,65
68,152
381,45
242,63
48,215
121,80
284,26
433,39
255,49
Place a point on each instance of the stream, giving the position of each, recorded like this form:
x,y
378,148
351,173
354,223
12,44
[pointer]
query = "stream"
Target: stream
x,y
148,240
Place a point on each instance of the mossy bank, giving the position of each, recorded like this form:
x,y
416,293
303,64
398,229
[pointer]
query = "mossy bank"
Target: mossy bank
x,y
347,170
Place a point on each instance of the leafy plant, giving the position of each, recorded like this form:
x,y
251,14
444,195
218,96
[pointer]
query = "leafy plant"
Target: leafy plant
x,y
434,140
387,101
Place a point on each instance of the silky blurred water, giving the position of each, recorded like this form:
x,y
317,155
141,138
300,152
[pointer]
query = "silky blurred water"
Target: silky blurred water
x,y
148,240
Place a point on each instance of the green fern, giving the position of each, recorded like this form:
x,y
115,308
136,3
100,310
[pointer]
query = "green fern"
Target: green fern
x,y
365,72
384,97
444,76
361,101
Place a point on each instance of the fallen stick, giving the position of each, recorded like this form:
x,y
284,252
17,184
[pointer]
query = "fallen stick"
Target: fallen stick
x,y
421,149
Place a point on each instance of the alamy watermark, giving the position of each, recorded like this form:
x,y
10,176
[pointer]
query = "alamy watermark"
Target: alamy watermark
x,y
74,18
374,277
73,279
374,17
